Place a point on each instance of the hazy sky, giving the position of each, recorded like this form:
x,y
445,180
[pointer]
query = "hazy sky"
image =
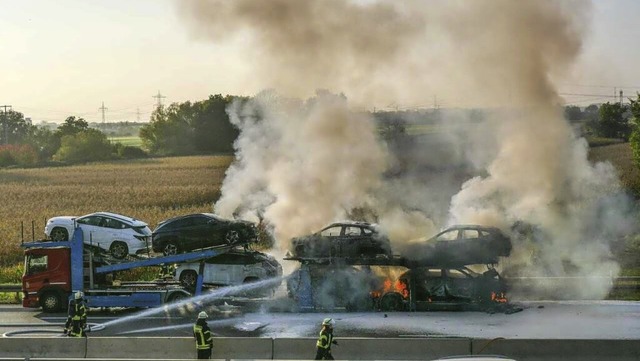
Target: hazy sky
x,y
66,57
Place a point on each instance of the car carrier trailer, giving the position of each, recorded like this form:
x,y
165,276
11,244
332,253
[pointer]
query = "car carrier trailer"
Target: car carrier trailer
x,y
54,270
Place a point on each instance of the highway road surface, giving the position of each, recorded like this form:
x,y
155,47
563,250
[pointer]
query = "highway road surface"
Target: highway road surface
x,y
537,320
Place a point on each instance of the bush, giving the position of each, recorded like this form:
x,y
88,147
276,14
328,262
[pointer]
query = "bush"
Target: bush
x,y
21,155
85,146
129,152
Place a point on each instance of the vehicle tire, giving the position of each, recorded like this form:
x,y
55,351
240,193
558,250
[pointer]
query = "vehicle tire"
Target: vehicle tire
x,y
232,237
188,279
176,297
51,301
391,302
119,250
59,234
170,248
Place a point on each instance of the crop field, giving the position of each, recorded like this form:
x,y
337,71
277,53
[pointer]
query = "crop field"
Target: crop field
x,y
130,141
620,156
150,190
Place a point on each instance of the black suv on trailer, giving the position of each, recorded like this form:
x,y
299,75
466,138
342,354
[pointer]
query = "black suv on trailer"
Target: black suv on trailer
x,y
200,230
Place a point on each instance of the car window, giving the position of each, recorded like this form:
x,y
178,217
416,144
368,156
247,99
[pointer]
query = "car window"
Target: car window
x,y
182,223
448,235
454,273
230,258
367,231
470,233
112,223
331,231
91,221
352,231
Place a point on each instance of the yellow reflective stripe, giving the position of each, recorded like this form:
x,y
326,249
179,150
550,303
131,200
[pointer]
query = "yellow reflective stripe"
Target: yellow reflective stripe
x,y
323,344
202,342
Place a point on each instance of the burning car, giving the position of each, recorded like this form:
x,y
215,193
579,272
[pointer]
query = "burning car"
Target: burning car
x,y
346,239
459,246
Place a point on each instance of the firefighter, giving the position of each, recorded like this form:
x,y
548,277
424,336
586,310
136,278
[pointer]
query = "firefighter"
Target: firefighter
x,y
76,317
202,334
325,340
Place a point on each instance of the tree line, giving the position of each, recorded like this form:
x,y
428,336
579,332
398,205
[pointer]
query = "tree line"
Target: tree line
x,y
203,127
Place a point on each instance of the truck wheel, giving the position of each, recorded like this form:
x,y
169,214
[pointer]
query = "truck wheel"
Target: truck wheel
x,y
170,248
188,279
59,234
391,302
51,301
232,237
176,297
119,250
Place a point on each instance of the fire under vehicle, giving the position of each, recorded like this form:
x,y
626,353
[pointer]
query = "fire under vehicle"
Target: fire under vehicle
x,y
456,274
54,270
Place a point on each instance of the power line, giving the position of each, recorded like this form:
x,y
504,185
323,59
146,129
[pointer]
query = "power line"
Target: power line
x,y
6,133
103,109
159,98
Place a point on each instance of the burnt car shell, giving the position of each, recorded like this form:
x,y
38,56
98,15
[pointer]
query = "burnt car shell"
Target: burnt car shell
x,y
453,286
346,239
459,246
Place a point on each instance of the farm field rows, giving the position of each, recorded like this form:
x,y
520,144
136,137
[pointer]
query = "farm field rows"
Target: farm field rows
x,y
150,190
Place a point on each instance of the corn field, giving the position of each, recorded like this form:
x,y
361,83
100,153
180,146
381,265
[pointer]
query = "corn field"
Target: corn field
x,y
150,190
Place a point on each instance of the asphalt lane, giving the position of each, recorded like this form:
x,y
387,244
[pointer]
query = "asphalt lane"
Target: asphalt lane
x,y
538,320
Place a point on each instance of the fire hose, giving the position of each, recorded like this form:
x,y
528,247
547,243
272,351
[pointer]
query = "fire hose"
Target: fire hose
x,y
36,328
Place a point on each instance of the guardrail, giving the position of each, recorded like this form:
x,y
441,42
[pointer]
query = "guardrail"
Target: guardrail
x,y
17,289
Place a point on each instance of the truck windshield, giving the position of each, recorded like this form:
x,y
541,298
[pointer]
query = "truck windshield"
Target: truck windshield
x,y
35,264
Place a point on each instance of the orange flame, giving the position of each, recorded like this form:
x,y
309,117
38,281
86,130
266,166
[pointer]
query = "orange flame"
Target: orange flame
x,y
498,297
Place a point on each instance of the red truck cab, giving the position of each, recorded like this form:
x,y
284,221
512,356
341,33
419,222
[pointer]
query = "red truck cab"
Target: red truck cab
x,y
46,281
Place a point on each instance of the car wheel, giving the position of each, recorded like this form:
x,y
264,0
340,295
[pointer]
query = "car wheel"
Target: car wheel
x,y
59,234
176,297
189,278
51,301
391,302
119,250
232,237
170,248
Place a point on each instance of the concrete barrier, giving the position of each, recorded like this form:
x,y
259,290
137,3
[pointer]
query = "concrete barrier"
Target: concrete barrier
x,y
559,350
178,347
374,348
60,347
226,348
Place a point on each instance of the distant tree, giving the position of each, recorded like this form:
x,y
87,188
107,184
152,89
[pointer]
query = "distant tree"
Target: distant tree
x,y
85,146
44,141
634,139
187,128
71,126
13,127
614,122
572,113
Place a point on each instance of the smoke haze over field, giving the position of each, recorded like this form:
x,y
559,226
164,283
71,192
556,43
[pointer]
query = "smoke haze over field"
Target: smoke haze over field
x,y
305,164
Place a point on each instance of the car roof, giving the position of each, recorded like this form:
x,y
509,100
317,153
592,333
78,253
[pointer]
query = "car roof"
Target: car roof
x,y
210,215
470,226
351,223
119,217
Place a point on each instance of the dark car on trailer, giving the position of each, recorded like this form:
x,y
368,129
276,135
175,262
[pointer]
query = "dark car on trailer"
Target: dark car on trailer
x,y
200,230
347,239
459,246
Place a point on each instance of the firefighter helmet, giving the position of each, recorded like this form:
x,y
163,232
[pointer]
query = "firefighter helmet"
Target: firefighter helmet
x,y
328,322
78,295
202,315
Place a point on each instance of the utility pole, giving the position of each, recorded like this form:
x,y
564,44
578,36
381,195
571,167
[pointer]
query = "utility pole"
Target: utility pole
x,y
620,96
4,122
103,109
159,98
138,114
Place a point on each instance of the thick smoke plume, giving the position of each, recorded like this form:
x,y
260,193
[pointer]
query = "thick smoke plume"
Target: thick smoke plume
x,y
302,165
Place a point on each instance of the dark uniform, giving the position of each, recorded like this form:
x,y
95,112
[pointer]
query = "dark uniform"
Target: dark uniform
x,y
325,341
76,318
204,341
